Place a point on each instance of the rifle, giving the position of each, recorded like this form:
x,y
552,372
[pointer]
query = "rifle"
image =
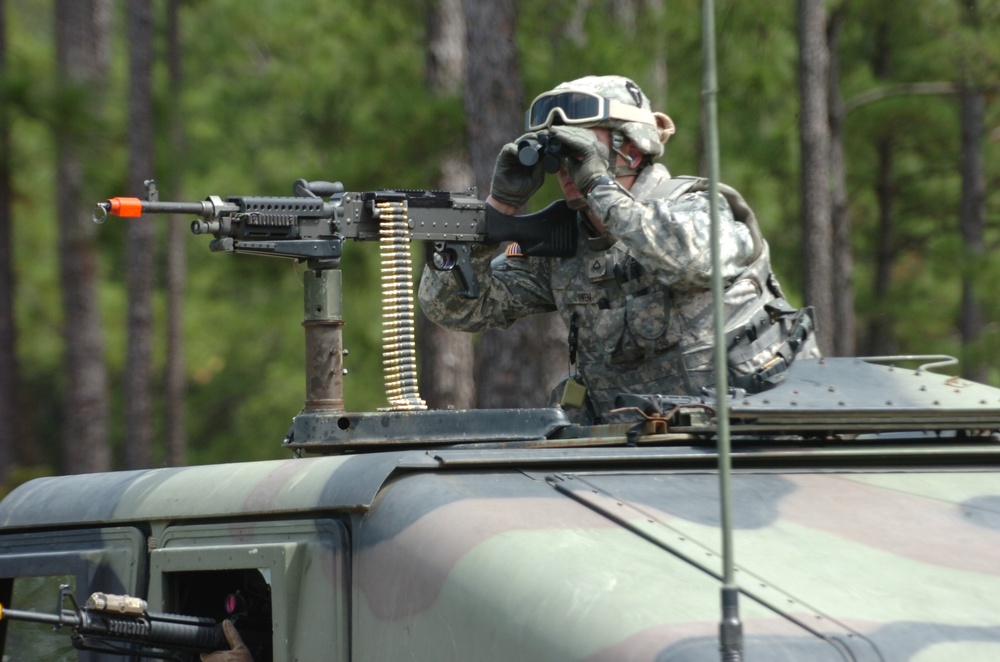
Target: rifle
x,y
306,227
122,625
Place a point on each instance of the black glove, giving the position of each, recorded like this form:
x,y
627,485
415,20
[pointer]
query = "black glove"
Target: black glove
x,y
513,183
589,159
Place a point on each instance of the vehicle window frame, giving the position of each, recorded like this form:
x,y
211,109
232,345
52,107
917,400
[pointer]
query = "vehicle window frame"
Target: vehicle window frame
x,y
298,556
107,559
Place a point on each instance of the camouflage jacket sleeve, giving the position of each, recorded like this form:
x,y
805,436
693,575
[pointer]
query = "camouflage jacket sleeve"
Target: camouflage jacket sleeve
x,y
509,290
673,238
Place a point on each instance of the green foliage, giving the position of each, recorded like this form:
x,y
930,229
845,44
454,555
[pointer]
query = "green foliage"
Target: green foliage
x,y
335,90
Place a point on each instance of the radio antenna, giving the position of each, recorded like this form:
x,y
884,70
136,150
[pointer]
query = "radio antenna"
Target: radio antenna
x,y
730,627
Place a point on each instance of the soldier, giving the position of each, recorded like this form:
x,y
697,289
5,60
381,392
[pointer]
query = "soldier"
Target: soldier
x,y
636,298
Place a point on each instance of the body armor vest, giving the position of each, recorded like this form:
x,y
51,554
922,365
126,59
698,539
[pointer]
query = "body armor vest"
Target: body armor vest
x,y
630,333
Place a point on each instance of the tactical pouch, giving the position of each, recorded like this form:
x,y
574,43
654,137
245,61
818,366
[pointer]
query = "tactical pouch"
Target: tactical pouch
x,y
760,352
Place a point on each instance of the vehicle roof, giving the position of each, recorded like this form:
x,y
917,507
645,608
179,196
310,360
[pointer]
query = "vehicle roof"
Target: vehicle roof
x,y
353,482
234,490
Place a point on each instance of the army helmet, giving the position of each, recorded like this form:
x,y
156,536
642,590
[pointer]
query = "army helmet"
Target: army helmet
x,y
615,102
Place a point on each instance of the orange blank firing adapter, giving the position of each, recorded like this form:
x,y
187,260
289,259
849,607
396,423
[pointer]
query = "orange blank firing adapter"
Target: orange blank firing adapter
x,y
126,207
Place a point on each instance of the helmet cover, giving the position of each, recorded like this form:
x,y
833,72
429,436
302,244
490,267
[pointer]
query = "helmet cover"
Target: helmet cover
x,y
649,138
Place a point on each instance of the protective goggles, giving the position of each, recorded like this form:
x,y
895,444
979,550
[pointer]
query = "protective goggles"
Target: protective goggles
x,y
576,107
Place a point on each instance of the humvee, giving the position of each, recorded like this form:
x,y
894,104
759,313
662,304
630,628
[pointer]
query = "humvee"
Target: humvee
x,y
865,519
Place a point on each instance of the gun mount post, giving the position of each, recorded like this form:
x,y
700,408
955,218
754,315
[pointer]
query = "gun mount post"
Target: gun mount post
x,y
324,339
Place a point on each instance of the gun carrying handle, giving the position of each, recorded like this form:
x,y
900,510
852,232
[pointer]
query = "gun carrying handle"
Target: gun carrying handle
x,y
303,188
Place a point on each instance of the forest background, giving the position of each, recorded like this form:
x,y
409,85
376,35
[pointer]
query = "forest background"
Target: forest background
x,y
863,132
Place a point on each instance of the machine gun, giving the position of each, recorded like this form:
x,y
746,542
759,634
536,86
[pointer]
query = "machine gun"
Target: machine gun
x,y
311,227
122,625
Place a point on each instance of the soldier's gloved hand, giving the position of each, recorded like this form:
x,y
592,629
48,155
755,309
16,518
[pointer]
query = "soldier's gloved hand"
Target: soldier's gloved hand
x,y
513,183
238,651
589,157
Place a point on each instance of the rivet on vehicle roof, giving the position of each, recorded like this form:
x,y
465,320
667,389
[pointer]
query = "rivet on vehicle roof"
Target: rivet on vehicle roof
x,y
924,387
888,402
841,403
937,402
830,389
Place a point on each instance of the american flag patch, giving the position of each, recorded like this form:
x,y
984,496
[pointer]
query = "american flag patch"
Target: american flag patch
x,y
514,250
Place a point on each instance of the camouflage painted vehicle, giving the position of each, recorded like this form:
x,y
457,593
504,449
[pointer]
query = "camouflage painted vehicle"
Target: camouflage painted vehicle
x,y
867,527
866,515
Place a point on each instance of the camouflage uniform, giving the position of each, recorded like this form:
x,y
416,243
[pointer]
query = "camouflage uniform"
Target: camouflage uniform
x,y
637,300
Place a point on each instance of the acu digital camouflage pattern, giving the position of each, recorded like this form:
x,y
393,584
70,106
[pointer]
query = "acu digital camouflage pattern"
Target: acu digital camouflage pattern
x,y
642,305
592,554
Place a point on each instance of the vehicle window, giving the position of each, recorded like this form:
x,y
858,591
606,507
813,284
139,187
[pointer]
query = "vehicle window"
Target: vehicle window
x,y
242,595
30,642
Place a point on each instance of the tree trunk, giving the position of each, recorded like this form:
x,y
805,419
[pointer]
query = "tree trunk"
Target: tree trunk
x,y
972,214
176,375
8,340
141,237
82,34
881,338
814,127
446,357
516,367
972,217
844,321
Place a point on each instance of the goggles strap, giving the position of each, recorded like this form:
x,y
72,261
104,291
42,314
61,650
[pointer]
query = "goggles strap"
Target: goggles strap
x,y
617,142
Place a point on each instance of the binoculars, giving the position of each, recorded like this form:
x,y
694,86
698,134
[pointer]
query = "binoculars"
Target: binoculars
x,y
546,147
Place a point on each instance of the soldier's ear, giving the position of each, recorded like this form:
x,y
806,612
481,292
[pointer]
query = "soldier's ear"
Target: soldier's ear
x,y
664,127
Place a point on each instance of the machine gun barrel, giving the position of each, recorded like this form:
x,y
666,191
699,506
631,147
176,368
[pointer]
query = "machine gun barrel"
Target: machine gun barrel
x,y
134,207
